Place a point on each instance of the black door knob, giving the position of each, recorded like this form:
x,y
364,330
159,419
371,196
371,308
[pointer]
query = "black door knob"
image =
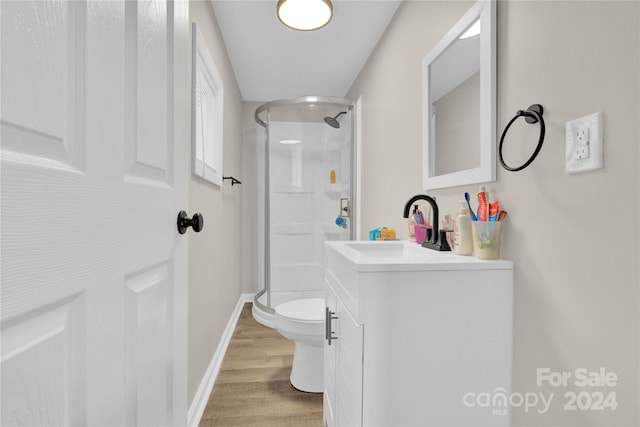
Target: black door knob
x,y
184,222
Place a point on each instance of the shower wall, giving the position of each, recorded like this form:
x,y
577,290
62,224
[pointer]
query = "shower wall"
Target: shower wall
x,y
304,203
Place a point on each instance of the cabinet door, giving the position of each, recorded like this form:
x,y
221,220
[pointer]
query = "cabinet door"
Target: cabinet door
x,y
349,351
330,363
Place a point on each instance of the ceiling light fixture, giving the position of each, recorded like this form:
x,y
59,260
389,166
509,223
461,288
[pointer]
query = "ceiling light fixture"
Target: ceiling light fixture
x,y
305,15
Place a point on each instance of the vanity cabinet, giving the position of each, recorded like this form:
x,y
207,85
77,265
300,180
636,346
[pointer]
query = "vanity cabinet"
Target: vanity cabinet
x,y
416,341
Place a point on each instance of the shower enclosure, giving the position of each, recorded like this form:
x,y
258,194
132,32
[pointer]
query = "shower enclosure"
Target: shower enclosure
x,y
306,160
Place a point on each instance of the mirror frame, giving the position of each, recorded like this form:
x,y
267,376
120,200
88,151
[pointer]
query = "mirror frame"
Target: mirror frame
x,y
485,10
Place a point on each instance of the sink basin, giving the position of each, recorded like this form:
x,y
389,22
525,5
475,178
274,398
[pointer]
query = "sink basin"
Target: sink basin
x,y
385,249
405,256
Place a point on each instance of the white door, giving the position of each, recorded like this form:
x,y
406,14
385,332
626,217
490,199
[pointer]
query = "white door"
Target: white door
x,y
94,172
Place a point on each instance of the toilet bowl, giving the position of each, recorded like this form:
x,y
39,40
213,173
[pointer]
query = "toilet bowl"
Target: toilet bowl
x,y
302,321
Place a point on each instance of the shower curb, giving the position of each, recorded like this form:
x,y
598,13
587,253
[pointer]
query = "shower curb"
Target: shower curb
x,y
206,385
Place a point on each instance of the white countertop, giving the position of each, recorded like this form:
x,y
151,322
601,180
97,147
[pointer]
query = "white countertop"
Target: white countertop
x,y
402,255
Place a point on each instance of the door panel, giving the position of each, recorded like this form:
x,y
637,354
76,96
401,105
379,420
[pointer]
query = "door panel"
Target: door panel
x,y
42,366
148,69
148,320
44,122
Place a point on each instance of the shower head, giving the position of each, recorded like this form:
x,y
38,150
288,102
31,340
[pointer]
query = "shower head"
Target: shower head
x,y
333,121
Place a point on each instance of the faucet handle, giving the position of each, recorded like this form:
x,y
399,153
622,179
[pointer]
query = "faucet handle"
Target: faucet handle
x,y
428,234
439,242
443,243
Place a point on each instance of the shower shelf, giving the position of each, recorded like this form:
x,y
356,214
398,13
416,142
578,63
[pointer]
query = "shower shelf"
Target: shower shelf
x,y
336,188
307,228
294,228
288,188
334,229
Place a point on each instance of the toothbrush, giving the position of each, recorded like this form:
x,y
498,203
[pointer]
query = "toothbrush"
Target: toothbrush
x,y
471,214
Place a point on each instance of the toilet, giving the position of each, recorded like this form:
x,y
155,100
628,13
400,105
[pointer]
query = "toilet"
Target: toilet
x,y
302,321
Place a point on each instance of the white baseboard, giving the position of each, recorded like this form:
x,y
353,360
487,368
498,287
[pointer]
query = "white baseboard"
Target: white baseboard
x,y
206,385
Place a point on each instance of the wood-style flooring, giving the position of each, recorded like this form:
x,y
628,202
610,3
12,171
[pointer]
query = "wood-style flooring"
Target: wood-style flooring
x,y
253,388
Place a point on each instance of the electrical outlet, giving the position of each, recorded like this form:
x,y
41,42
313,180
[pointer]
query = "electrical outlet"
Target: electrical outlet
x,y
582,152
582,133
584,143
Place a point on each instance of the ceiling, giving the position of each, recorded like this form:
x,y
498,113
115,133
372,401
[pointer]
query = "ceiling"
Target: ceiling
x,y
271,61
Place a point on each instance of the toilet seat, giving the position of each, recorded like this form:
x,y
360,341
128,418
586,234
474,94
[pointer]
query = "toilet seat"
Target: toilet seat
x,y
306,310
303,317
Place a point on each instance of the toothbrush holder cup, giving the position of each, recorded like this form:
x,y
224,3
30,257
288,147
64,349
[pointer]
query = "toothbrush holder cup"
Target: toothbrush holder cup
x,y
422,233
487,239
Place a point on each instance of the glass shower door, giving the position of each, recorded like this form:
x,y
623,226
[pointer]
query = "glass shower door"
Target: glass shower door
x,y
310,173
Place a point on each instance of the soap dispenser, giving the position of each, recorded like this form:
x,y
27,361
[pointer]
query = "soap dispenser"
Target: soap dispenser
x,y
463,238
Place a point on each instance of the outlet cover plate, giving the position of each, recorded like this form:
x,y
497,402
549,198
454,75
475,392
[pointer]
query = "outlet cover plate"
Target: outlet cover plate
x,y
584,143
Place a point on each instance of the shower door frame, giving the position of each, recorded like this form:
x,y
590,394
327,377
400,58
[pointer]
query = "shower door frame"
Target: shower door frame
x,y
324,100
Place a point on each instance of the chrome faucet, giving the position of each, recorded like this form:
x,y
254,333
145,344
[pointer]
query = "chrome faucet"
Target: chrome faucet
x,y
438,239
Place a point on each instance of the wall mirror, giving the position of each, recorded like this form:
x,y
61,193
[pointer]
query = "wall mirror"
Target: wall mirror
x,y
459,102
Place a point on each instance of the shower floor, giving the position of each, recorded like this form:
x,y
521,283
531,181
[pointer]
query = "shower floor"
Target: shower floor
x,y
253,389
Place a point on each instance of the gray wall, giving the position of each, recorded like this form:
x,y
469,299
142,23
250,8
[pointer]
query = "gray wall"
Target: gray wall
x,y
574,239
215,254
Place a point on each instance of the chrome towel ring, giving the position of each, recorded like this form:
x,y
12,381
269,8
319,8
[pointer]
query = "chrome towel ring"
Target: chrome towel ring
x,y
532,115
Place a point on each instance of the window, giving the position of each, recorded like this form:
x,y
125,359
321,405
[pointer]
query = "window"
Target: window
x,y
207,112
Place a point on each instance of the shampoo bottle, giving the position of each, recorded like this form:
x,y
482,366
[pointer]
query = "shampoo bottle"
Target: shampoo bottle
x,y
463,239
